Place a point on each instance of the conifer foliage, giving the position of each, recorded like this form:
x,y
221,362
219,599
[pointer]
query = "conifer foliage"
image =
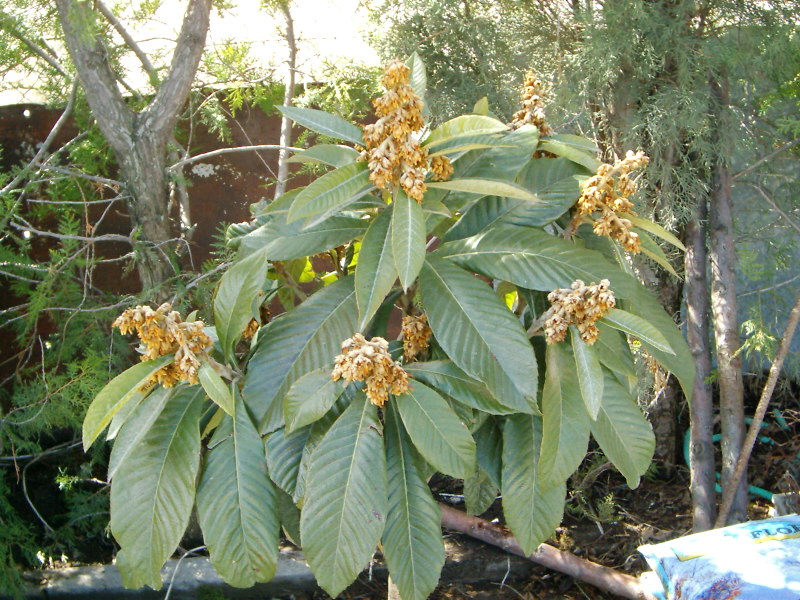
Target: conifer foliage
x,y
317,416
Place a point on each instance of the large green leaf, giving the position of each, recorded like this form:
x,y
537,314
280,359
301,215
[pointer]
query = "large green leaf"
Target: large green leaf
x,y
436,431
531,512
655,229
307,338
623,433
376,271
565,422
477,331
289,516
637,327
613,350
479,492
136,426
679,361
334,155
233,302
215,387
345,504
590,373
324,123
284,453
153,492
445,376
464,125
282,241
576,148
115,394
534,259
500,163
236,504
418,78
408,238
489,449
412,540
310,397
331,192
553,182
485,187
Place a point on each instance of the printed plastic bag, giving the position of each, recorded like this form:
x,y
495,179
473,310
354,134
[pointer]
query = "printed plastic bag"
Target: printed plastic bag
x,y
758,560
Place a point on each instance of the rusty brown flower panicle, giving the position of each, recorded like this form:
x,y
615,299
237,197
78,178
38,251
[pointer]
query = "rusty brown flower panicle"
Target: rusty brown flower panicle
x,y
581,305
607,192
162,331
394,154
369,361
416,333
533,103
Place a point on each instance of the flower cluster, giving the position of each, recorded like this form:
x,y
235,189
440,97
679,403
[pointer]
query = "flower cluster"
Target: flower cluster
x,y
394,154
369,361
533,103
607,192
162,332
581,305
416,333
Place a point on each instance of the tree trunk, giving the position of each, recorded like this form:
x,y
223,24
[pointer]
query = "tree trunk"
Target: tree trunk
x,y
138,139
701,408
725,314
286,122
143,171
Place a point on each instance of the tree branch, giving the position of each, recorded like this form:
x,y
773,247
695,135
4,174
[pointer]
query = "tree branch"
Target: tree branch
x,y
194,159
46,144
113,116
129,41
162,113
7,23
761,410
605,578
766,158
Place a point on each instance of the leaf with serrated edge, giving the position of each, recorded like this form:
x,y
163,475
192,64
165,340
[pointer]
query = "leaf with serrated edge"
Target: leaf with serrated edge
x,y
412,540
565,422
330,191
531,512
153,492
233,301
534,259
115,394
324,123
376,271
284,452
445,376
489,449
345,504
477,331
307,338
136,427
417,78
236,505
215,387
590,373
623,433
479,492
310,397
436,431
485,187
408,238
637,327
282,241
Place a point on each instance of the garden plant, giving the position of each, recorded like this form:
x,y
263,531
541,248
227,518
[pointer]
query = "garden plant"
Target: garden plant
x,y
457,299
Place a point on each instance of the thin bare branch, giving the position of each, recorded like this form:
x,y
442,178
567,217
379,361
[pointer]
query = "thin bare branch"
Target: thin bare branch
x,y
46,54
205,155
129,41
45,147
766,158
